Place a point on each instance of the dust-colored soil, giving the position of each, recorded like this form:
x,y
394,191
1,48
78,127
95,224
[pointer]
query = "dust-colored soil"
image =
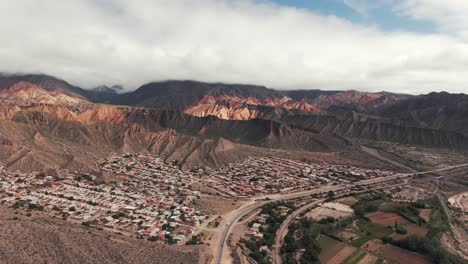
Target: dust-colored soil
x,y
386,219
331,252
394,254
322,212
347,200
341,256
348,235
36,240
215,205
425,214
402,256
417,230
375,246
368,259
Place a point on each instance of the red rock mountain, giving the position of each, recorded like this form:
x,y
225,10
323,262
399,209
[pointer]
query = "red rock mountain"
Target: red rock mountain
x,y
24,92
246,108
56,124
238,108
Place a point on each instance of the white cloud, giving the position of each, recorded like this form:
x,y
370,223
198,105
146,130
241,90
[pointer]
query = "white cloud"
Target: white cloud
x,y
359,6
91,42
451,16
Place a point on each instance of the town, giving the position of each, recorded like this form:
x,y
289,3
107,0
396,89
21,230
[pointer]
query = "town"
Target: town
x,y
269,175
145,197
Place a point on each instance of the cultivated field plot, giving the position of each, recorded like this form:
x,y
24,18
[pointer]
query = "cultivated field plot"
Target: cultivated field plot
x,y
416,230
368,259
386,219
395,254
399,255
334,251
373,229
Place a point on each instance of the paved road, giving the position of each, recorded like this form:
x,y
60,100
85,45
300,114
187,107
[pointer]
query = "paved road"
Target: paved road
x,y
221,244
284,229
245,210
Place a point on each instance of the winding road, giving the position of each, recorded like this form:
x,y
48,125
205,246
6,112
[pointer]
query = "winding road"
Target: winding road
x,y
234,217
284,229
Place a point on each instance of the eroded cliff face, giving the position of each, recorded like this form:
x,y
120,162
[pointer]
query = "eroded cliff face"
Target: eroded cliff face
x,y
246,108
24,92
49,127
38,136
238,108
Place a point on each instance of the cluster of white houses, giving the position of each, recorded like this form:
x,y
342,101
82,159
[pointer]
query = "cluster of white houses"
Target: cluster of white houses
x,y
143,196
267,175
151,199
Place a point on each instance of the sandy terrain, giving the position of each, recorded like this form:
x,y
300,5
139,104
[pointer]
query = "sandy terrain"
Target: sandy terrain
x,y
368,259
348,235
347,200
335,210
338,207
321,213
459,201
425,214
215,205
375,246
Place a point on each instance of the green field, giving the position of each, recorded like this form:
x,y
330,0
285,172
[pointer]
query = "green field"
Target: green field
x,y
374,230
326,242
360,241
355,258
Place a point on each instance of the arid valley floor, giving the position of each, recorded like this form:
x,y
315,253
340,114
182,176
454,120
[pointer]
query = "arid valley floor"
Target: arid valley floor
x,y
141,209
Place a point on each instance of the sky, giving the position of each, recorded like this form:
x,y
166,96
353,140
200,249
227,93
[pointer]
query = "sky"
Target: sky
x,y
404,46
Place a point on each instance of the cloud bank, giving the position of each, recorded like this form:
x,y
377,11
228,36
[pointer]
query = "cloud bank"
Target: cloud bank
x,y
94,42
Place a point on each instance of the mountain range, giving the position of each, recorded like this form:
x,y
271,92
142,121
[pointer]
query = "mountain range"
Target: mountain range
x,y
47,123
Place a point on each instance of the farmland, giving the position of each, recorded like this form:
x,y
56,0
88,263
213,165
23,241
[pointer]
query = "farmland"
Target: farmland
x,y
386,219
376,229
334,251
394,254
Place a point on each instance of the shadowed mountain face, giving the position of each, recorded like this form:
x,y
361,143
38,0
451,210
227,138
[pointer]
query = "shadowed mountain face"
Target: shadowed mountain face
x,y
60,125
442,111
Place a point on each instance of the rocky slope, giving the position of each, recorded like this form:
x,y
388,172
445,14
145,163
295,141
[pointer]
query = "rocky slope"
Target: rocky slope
x,y
442,111
312,120
49,136
238,108
24,92
355,125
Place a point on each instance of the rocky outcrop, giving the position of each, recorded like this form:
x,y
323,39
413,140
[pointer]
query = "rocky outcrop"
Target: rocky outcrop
x,y
237,108
24,92
355,125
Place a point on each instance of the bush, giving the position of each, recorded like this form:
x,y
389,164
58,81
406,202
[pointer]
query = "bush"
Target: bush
x,y
401,230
